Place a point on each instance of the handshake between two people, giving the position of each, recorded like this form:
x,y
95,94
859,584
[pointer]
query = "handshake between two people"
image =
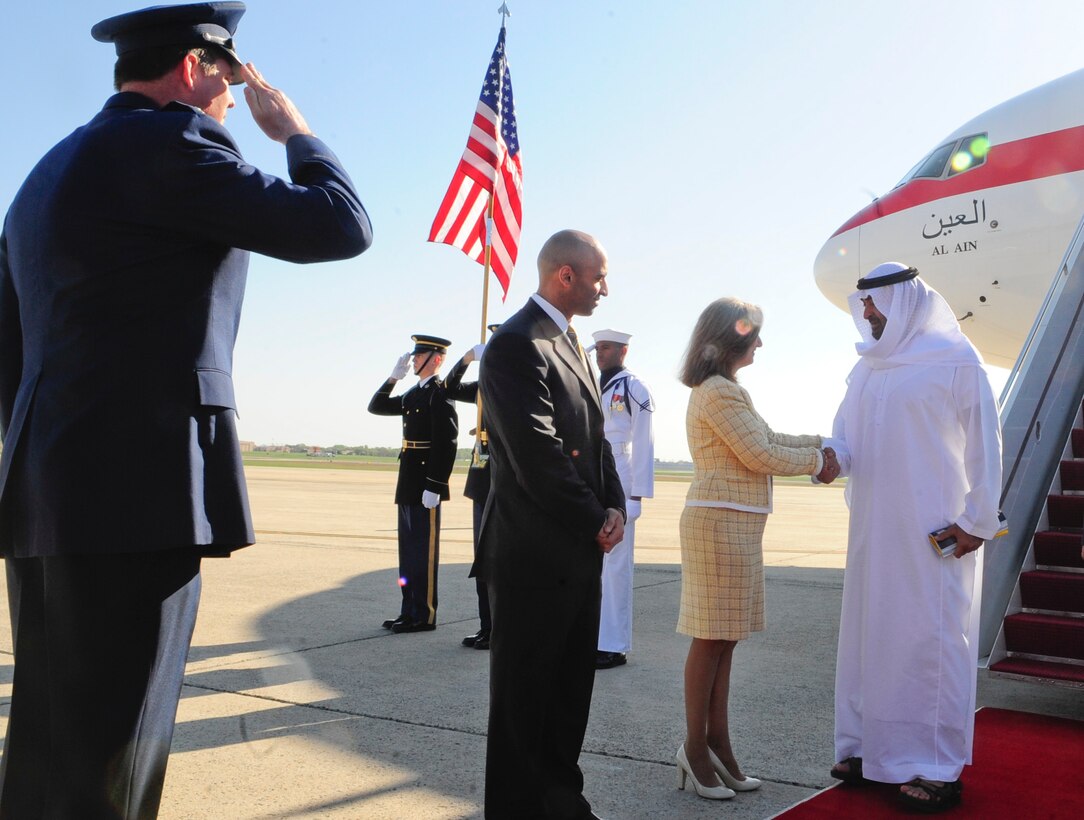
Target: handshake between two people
x,y
830,471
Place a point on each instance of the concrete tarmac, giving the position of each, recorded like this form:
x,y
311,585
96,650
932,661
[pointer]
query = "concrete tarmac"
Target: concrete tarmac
x,y
297,704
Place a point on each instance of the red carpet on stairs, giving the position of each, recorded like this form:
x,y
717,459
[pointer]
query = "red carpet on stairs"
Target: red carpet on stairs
x,y
1026,767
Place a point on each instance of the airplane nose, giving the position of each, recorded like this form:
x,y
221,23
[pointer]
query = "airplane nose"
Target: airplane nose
x,y
836,267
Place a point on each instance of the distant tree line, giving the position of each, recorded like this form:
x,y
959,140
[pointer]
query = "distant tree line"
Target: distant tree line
x,y
463,454
343,450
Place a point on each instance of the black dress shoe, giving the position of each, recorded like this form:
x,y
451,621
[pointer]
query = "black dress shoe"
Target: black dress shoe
x,y
482,642
608,660
471,640
411,626
388,624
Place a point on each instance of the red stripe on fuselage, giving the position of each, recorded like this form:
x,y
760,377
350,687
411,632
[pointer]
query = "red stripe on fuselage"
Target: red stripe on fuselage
x,y
1044,155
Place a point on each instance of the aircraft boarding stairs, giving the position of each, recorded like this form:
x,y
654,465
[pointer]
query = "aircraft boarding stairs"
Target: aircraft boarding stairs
x,y
1032,614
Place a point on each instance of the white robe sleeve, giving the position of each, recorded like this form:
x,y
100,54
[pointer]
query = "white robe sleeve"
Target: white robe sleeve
x,y
838,442
976,411
856,380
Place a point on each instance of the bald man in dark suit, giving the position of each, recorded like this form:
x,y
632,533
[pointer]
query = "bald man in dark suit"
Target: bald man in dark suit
x,y
555,506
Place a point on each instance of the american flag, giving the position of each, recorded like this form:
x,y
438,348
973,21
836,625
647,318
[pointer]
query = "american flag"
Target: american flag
x,y
490,165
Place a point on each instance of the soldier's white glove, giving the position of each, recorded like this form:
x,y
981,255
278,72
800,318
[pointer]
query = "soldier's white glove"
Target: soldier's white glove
x,y
478,350
401,367
430,499
632,509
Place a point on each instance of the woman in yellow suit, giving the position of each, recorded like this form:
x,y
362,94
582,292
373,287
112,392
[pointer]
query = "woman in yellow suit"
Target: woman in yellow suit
x,y
735,454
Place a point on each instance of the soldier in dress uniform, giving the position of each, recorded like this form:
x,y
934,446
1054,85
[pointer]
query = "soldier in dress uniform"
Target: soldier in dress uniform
x,y
476,487
430,433
627,405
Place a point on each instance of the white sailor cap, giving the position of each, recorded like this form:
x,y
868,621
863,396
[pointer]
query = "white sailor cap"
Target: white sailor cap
x,y
610,335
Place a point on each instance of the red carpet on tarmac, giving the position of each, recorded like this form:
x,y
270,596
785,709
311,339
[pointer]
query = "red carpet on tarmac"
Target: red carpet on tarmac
x,y
1026,767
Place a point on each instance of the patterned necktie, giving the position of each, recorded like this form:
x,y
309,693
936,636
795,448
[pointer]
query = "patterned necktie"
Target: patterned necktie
x,y
575,339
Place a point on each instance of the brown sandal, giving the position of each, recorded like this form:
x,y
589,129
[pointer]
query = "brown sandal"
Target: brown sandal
x,y
941,798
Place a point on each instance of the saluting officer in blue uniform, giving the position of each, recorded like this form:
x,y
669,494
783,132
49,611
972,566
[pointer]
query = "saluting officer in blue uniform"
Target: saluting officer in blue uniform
x,y
122,271
430,440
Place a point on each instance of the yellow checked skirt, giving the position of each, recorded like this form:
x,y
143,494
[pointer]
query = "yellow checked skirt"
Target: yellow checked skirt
x,y
722,573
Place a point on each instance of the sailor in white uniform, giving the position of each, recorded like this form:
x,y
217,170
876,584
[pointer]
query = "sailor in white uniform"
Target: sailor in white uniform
x,y
627,405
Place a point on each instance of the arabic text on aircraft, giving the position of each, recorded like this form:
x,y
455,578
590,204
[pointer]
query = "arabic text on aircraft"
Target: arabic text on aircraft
x,y
946,224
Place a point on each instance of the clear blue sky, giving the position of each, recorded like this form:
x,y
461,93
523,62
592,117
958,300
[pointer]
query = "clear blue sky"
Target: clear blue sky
x,y
711,146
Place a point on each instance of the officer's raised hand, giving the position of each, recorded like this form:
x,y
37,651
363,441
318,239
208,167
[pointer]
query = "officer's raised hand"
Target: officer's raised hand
x,y
401,367
273,111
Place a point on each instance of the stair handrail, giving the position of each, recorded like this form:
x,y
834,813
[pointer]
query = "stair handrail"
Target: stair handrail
x,y
1038,407
1057,284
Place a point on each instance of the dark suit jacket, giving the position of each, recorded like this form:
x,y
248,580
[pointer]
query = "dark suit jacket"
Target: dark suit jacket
x,y
428,415
122,271
553,473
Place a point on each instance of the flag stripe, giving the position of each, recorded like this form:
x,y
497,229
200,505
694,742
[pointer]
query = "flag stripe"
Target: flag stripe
x,y
458,218
474,220
453,201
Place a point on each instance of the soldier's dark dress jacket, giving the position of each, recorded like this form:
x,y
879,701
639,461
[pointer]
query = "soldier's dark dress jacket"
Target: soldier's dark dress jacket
x,y
430,437
122,271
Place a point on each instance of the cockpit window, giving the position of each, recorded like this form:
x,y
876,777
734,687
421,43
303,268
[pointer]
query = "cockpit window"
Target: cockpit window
x,y
934,165
951,159
970,153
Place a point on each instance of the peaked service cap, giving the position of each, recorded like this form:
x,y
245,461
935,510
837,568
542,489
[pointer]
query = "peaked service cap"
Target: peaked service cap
x,y
429,344
189,26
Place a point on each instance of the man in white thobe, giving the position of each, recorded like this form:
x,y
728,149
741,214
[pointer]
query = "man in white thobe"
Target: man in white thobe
x,y
919,438
627,405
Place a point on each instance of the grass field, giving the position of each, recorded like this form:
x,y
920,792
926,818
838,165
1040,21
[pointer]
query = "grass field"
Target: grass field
x,y
303,460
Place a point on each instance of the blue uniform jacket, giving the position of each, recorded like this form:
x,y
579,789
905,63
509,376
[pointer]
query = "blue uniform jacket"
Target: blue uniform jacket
x,y
122,272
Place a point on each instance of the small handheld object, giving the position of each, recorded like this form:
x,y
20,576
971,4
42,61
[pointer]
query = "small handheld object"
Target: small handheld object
x,y
946,547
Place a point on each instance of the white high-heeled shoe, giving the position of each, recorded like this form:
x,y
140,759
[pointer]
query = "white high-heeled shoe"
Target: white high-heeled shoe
x,y
746,785
707,792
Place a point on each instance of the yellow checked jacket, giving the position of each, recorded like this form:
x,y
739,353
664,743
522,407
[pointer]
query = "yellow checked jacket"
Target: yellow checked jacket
x,y
430,437
735,453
